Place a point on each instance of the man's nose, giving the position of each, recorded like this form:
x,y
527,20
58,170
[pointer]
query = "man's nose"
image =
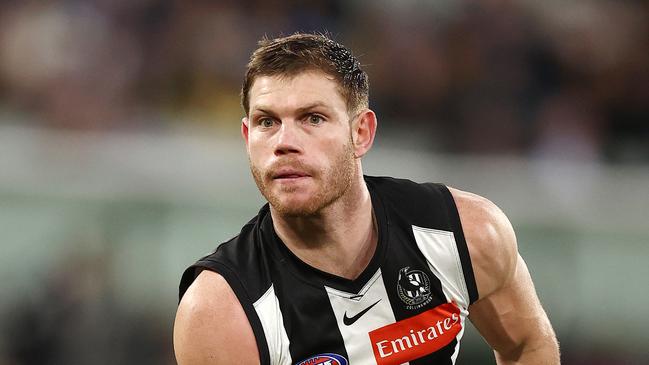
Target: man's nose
x,y
288,139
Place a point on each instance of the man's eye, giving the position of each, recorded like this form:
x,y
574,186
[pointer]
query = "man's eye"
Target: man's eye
x,y
315,119
266,122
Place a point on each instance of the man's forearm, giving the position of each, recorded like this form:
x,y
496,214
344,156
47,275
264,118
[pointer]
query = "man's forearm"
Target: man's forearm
x,y
544,352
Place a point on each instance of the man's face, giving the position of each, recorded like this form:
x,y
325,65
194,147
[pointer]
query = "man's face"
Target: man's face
x,y
299,142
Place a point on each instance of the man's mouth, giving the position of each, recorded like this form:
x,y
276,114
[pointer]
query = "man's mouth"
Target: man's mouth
x,y
285,174
289,176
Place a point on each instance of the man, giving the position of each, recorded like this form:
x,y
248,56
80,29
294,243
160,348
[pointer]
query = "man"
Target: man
x,y
342,268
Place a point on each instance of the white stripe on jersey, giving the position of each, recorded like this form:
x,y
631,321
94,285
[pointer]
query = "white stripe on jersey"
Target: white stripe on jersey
x,y
440,250
267,308
355,335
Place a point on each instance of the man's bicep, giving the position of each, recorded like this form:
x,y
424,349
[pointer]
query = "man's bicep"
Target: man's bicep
x,y
511,319
211,326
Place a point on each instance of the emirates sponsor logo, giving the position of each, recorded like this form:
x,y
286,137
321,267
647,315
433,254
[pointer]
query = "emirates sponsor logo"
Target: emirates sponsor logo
x,y
416,336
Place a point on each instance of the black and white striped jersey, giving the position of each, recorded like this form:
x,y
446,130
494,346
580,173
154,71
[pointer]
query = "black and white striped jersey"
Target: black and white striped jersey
x,y
408,306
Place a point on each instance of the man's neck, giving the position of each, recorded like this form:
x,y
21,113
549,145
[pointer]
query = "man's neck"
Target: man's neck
x,y
340,240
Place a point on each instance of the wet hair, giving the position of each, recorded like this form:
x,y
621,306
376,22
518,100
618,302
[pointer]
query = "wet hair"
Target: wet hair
x,y
299,52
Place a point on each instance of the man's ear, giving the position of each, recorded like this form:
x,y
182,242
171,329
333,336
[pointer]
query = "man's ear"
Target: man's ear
x,y
363,132
245,129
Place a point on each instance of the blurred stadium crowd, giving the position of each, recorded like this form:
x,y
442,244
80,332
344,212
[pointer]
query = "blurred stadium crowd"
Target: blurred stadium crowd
x,y
537,78
551,79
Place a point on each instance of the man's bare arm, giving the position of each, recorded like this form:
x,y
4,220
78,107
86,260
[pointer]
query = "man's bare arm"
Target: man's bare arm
x,y
508,314
211,326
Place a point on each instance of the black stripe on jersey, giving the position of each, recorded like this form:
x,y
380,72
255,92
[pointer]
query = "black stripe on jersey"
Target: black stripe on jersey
x,y
237,287
309,319
460,241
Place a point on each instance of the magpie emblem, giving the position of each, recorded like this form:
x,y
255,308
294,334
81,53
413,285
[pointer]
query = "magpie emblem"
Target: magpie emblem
x,y
413,287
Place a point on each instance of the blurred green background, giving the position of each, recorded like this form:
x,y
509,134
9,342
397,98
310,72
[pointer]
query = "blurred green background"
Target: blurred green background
x,y
121,163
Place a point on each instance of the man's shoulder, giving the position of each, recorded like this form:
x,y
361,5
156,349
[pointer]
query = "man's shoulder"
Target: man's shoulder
x,y
490,239
209,290
211,323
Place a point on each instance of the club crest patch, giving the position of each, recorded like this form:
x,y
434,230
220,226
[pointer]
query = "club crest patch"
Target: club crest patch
x,y
413,287
325,359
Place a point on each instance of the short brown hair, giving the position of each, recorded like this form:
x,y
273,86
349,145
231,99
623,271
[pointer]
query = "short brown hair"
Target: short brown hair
x,y
288,56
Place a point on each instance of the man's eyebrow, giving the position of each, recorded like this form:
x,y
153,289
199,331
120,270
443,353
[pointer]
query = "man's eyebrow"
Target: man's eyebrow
x,y
263,110
317,104
266,110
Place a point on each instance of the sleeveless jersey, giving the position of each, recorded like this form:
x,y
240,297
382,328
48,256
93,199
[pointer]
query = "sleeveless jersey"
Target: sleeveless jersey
x,y
408,306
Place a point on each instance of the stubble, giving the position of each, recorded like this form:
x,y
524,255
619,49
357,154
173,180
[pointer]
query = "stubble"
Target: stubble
x,y
332,183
